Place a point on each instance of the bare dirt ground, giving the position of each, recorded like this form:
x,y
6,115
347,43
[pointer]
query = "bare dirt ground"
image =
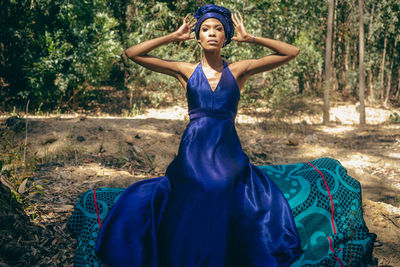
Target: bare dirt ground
x,y
77,153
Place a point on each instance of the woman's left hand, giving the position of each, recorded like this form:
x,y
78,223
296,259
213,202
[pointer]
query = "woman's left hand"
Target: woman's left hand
x,y
183,33
241,33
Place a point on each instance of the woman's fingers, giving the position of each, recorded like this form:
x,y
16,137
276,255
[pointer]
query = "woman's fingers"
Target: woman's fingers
x,y
186,17
191,20
237,20
234,20
240,16
191,24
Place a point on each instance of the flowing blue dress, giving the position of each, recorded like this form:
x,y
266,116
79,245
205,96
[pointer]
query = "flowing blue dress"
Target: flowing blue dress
x,y
212,207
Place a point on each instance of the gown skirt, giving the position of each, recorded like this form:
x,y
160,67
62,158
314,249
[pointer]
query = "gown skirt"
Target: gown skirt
x,y
212,207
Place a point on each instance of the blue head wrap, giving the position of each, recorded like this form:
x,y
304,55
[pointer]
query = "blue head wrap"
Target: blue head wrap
x,y
218,12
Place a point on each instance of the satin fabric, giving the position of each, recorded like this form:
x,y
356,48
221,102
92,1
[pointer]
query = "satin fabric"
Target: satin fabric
x,y
212,208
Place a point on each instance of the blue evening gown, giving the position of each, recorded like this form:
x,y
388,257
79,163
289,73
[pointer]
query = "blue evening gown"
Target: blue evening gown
x,y
212,207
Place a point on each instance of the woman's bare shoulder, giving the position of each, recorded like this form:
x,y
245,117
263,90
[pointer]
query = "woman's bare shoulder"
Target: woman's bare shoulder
x,y
238,68
186,69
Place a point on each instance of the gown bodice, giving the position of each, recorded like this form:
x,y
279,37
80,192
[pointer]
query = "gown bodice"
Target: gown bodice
x,y
210,138
223,101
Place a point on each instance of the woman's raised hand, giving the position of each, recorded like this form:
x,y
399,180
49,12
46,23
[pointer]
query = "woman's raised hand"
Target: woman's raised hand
x,y
183,33
241,33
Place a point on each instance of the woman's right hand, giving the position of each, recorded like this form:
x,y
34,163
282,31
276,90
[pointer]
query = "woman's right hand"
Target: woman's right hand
x,y
178,69
183,33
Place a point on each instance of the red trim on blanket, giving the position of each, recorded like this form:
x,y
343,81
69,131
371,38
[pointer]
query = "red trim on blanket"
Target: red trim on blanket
x,y
95,206
330,197
332,212
341,263
330,243
331,246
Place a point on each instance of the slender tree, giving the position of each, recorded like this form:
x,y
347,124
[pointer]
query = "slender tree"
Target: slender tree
x,y
361,61
328,58
382,69
369,38
389,78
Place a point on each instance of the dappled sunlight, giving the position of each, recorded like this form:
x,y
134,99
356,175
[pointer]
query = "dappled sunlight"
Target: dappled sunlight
x,y
155,132
89,174
394,155
357,161
172,113
314,151
241,118
345,115
337,129
349,114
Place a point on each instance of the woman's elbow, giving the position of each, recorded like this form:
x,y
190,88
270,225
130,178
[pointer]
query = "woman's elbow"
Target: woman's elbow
x,y
130,54
295,53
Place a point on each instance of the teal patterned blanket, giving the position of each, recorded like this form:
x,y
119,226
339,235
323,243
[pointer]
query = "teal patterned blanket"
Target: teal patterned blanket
x,y
325,202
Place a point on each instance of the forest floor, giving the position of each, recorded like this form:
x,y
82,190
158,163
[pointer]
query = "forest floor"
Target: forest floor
x,y
79,152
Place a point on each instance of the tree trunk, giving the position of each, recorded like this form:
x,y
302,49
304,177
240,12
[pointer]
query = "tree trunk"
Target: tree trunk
x,y
301,84
354,67
371,86
370,73
131,12
389,78
382,69
389,83
361,61
371,20
333,57
397,87
328,57
342,44
347,58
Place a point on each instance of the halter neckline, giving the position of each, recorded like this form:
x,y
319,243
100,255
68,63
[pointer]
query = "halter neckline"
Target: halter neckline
x,y
220,78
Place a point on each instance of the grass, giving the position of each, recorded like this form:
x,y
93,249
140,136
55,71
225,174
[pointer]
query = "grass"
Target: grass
x,y
17,164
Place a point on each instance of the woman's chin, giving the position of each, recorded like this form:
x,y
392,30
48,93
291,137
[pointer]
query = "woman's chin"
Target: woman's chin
x,y
211,48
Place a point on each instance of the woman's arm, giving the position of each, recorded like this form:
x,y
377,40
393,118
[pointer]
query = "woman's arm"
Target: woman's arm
x,y
139,52
244,69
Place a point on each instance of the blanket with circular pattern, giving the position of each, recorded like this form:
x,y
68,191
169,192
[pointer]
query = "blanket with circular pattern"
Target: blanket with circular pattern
x,y
325,202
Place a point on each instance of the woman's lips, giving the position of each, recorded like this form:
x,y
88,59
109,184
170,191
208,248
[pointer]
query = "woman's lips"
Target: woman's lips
x,y
212,42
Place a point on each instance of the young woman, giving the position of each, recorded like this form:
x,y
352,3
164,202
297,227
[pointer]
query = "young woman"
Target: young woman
x,y
212,208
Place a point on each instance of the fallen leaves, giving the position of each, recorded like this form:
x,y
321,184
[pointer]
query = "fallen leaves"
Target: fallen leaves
x,y
21,188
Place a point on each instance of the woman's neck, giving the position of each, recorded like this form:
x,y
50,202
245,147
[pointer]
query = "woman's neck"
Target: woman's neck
x,y
212,59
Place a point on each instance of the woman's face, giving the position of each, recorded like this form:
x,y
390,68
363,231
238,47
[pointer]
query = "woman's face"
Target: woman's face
x,y
212,34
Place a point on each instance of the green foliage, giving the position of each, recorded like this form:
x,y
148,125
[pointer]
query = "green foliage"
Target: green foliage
x,y
352,80
85,55
55,50
308,64
395,117
69,45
